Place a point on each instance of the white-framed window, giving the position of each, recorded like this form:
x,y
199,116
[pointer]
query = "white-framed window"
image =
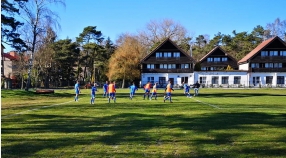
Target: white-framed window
x,y
224,59
283,53
204,68
214,68
165,54
215,80
161,66
273,53
176,54
254,65
268,65
165,66
185,66
224,80
264,53
210,59
236,79
203,80
169,66
277,65
216,59
150,66
158,54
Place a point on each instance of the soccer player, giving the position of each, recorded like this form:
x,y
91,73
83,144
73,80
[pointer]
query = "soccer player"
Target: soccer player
x,y
168,91
196,88
77,90
186,90
154,92
105,89
93,89
111,91
133,88
147,90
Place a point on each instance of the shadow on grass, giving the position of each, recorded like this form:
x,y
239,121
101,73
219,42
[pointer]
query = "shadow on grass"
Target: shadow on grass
x,y
131,128
31,94
238,95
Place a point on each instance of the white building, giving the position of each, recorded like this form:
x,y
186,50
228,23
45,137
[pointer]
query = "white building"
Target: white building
x,y
264,66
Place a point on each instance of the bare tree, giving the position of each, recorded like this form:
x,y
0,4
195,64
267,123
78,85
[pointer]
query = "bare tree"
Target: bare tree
x,y
277,28
37,16
157,31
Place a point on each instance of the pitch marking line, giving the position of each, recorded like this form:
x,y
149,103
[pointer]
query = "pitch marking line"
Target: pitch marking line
x,y
47,106
214,106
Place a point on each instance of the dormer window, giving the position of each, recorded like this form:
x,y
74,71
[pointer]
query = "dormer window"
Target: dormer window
x,y
150,66
159,55
264,53
224,59
273,53
268,65
216,59
176,54
184,66
167,54
283,53
254,65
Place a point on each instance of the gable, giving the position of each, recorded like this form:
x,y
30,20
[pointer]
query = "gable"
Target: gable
x,y
217,52
168,46
272,43
275,44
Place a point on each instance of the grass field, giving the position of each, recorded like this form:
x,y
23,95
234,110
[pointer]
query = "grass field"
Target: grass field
x,y
217,123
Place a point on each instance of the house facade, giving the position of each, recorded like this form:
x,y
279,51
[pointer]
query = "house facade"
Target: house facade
x,y
167,62
266,64
219,69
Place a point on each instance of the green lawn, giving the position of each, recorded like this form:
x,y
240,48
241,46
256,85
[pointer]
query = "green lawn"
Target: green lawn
x,y
217,123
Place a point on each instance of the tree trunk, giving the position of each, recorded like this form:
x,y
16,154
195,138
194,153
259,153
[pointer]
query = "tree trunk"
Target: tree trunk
x,y
22,85
123,82
47,81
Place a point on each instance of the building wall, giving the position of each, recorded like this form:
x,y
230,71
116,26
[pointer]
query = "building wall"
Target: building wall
x,y
8,68
230,74
177,77
244,66
262,78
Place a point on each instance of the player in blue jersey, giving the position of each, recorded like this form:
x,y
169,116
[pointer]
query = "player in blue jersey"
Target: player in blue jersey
x,y
93,90
133,88
105,89
186,89
77,90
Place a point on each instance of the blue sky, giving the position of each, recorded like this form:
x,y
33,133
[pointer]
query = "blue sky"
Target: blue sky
x,y
199,17
114,17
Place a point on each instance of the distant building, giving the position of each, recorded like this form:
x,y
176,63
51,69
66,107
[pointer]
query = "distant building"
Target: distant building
x,y
266,63
264,66
167,62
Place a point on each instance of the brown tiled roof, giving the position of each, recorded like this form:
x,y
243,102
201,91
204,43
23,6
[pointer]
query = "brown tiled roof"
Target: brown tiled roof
x,y
160,45
217,47
6,55
258,49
